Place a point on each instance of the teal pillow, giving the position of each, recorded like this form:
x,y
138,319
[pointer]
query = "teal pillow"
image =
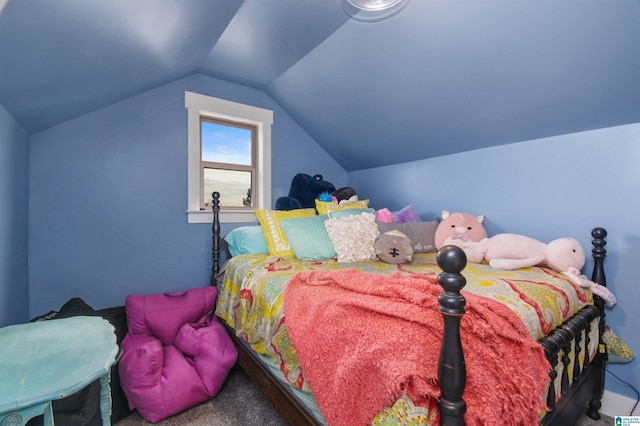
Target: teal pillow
x,y
308,237
246,240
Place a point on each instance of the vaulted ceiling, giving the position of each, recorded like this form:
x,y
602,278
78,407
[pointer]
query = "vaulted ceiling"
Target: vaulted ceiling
x,y
435,78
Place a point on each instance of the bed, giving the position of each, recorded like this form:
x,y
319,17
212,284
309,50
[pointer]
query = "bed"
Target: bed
x,y
462,381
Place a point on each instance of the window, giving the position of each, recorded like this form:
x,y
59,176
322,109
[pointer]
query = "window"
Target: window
x,y
227,163
229,151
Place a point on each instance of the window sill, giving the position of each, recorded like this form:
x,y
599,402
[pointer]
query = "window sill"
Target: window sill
x,y
226,216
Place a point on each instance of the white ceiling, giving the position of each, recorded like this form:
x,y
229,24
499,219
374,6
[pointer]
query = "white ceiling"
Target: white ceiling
x,y
438,77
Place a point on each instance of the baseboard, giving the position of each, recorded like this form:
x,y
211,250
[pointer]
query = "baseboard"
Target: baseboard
x,y
614,404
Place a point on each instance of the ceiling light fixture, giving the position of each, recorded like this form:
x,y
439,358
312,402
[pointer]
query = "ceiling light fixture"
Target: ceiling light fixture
x,y
373,10
374,4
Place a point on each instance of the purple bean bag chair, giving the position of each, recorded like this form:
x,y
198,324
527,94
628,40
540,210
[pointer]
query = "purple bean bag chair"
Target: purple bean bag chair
x,y
176,353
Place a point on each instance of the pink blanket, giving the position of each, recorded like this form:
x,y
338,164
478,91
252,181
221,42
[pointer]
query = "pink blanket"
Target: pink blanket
x,y
363,340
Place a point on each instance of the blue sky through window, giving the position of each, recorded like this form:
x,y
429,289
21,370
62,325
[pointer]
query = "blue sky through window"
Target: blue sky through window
x,y
226,144
230,145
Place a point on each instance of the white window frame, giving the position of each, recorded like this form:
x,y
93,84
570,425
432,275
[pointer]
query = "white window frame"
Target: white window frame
x,y
201,105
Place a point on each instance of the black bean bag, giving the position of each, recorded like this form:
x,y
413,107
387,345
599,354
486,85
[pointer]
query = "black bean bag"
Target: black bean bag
x,y
83,407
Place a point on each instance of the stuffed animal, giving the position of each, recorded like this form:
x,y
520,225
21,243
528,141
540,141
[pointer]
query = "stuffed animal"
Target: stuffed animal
x,y
304,191
344,194
394,247
384,215
514,251
564,255
457,229
604,293
404,215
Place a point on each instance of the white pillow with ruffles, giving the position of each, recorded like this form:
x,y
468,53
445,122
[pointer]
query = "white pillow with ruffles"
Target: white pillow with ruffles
x,y
353,237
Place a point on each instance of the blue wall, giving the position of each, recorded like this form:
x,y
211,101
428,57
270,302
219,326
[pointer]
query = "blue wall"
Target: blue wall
x,y
107,200
108,195
546,189
14,178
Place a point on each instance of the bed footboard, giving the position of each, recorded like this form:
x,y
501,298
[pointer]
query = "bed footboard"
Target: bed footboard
x,y
587,385
578,380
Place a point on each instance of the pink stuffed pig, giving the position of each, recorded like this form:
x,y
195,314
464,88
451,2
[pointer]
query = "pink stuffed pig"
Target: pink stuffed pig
x,y
459,228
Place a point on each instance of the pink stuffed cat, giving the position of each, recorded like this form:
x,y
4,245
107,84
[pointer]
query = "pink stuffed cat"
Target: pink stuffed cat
x,y
459,228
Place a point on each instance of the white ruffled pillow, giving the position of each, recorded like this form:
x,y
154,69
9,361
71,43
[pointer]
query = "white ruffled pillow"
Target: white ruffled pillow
x,y
353,237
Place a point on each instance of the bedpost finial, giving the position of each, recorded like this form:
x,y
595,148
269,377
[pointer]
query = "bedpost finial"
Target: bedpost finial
x,y
215,200
451,259
599,233
598,253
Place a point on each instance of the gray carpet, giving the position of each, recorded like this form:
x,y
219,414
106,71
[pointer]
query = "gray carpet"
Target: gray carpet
x,y
241,403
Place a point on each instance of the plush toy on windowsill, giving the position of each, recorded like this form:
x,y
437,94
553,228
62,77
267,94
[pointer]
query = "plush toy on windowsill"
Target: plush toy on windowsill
x,y
457,229
564,255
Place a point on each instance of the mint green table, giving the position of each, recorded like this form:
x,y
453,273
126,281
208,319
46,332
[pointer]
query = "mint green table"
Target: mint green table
x,y
48,360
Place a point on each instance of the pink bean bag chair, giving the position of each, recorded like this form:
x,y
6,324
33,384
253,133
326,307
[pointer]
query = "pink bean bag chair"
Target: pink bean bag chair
x,y
176,353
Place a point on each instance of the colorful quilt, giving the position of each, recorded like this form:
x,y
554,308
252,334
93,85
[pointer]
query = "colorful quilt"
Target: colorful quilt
x,y
251,300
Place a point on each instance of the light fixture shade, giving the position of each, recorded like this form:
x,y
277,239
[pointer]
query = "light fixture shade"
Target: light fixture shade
x,y
374,4
373,10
